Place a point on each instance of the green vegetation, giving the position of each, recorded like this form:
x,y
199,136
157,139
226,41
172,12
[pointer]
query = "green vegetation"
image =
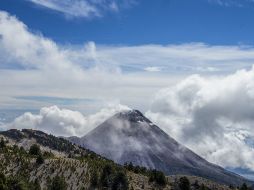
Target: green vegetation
x,y
2,143
94,179
155,176
35,150
184,183
245,187
106,176
158,177
120,182
17,183
39,159
58,183
36,169
137,169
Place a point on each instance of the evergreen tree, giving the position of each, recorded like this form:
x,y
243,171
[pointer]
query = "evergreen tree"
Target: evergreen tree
x,y
35,150
2,143
39,159
94,179
184,183
202,187
196,185
158,177
244,187
105,179
3,181
120,182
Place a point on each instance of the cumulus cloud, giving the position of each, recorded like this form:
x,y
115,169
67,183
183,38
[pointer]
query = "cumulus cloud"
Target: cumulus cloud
x,y
83,8
63,122
33,65
213,116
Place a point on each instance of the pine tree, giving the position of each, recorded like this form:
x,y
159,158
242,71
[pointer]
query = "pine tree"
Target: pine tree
x,y
94,179
2,143
244,187
184,183
120,182
105,179
39,159
35,150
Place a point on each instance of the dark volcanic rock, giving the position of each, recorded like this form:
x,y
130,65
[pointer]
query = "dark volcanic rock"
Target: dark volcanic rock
x,y
130,137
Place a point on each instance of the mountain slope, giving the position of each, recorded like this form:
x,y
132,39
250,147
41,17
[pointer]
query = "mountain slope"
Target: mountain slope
x,y
71,165
19,169
130,137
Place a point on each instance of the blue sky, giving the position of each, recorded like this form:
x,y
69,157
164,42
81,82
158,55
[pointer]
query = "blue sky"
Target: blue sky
x,y
216,22
187,64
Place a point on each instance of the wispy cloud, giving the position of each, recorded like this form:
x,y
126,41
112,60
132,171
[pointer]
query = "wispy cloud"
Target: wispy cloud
x,y
152,69
83,8
56,100
232,3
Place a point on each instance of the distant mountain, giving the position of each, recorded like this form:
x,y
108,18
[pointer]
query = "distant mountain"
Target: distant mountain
x,y
130,137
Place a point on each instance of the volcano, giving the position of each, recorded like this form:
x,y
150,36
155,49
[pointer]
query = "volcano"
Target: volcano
x,y
129,136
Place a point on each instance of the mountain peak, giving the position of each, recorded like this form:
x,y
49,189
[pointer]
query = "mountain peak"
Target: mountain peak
x,y
132,116
129,136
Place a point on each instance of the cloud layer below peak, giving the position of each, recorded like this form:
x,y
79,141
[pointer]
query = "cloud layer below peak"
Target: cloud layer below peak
x,y
63,122
212,116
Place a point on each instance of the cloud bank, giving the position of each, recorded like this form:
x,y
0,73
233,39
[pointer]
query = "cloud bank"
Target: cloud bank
x,y
212,116
62,122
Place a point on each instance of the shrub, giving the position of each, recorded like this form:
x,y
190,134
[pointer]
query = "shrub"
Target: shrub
x,y
58,183
17,184
35,150
47,154
36,185
129,166
39,159
158,177
120,182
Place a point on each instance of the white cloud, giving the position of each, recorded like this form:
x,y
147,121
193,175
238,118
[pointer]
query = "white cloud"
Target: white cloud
x,y
82,8
230,3
214,116
33,65
63,122
152,69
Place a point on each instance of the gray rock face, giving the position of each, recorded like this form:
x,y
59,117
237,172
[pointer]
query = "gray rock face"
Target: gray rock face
x,y
130,137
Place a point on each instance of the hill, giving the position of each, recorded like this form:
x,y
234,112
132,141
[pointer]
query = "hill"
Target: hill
x,y
31,159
